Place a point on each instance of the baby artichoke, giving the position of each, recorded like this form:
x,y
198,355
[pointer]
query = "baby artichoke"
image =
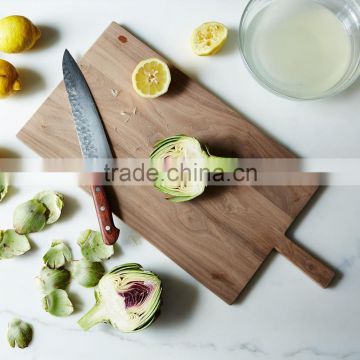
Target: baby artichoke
x,y
128,298
19,333
87,273
12,244
57,303
58,255
93,247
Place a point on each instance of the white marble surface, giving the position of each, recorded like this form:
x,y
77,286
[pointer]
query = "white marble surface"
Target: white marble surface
x,y
283,315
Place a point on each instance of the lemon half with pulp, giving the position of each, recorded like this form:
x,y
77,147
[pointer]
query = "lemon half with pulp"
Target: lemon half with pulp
x,y
209,38
151,78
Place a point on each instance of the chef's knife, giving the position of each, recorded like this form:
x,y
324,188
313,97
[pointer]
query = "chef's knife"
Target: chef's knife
x,y
92,138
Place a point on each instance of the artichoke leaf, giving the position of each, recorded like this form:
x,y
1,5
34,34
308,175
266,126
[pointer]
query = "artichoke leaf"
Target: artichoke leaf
x,y
19,333
87,273
57,303
4,184
12,244
58,255
51,279
54,202
30,217
93,247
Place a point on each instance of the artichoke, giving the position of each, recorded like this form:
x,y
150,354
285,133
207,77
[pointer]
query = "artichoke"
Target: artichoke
x,y
54,202
183,166
93,247
29,217
19,333
51,279
57,256
12,244
128,298
57,303
87,273
4,182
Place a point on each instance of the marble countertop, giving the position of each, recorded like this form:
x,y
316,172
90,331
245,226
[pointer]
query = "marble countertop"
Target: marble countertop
x,y
282,314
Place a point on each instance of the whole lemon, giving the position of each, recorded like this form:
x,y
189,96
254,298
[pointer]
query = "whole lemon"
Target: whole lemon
x,y
17,34
9,79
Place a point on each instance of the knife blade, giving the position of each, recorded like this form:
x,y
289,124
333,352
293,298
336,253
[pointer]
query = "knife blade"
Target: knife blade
x,y
92,139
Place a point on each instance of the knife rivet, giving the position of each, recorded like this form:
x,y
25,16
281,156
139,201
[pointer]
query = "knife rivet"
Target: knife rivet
x,y
102,208
107,228
97,189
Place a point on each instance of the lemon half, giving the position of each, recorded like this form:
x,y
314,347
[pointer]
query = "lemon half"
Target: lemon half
x,y
9,79
151,78
17,34
208,38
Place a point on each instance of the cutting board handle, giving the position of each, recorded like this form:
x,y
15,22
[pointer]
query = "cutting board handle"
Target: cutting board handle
x,y
311,266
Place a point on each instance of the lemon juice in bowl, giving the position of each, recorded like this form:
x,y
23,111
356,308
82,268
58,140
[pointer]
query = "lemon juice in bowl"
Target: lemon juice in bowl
x,y
301,48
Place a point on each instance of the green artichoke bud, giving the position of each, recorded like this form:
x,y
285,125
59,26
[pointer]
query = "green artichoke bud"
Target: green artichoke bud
x,y
12,244
4,182
54,202
128,298
182,165
87,273
58,255
93,247
57,303
19,333
51,279
30,217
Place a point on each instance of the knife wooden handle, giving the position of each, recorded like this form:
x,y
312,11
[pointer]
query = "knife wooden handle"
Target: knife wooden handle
x,y
109,231
311,266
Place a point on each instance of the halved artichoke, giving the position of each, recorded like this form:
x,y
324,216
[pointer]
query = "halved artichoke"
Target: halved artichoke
x,y
183,166
128,298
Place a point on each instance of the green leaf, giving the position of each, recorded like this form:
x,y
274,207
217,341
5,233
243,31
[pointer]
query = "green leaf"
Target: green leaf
x,y
57,303
51,279
58,255
19,334
12,244
30,217
93,247
54,203
87,273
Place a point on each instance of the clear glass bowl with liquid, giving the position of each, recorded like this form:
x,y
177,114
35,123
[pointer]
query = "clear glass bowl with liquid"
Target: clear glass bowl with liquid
x,y
302,49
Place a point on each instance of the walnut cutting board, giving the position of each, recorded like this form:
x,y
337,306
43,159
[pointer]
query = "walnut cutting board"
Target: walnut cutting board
x,y
222,237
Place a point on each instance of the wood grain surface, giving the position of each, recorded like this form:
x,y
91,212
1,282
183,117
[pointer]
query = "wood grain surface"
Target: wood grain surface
x,y
222,237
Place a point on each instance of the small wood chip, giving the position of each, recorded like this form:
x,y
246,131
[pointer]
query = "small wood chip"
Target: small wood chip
x,y
114,92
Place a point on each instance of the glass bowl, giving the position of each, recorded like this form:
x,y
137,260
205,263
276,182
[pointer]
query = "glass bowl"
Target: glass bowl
x,y
256,14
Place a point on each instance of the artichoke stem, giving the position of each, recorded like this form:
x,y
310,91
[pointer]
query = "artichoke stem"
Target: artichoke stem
x,y
95,316
219,164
